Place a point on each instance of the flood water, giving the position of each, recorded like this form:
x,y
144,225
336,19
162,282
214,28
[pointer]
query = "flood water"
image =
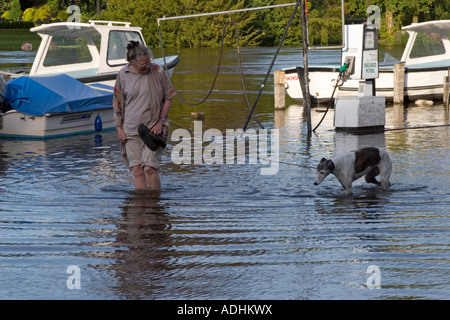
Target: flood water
x,y
69,215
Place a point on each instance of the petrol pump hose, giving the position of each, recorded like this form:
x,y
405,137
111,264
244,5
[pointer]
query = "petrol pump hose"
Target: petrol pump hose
x,y
341,76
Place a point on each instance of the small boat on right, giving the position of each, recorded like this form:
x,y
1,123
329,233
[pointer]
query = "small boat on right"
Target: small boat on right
x,y
426,58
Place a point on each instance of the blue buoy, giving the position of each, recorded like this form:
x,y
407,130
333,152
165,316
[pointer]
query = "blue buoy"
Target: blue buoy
x,y
98,123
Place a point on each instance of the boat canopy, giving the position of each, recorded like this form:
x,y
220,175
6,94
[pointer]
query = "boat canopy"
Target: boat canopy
x,y
38,96
436,26
83,49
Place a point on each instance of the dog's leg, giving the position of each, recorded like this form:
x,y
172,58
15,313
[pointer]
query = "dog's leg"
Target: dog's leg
x,y
370,176
384,177
385,171
347,185
348,189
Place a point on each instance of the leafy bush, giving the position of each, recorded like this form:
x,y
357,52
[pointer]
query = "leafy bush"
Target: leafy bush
x,y
28,14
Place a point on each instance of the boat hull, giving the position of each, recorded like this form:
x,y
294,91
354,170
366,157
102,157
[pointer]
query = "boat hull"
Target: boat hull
x,y
15,124
419,84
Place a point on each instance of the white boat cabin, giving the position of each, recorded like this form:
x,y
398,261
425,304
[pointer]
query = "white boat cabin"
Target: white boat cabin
x,y
428,45
93,51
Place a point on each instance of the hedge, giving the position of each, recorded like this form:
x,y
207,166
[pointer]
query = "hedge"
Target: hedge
x,y
7,24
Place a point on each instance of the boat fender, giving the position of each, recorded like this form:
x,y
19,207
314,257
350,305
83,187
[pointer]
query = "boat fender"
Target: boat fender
x,y
98,123
422,102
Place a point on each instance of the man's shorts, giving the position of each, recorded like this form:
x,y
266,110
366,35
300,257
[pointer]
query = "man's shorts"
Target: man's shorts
x,y
139,154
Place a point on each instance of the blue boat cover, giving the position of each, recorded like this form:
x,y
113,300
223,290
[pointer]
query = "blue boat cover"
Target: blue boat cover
x,y
53,94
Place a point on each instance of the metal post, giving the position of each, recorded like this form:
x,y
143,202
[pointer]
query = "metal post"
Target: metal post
x,y
306,94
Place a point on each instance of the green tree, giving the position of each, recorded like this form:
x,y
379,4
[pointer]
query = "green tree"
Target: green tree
x,y
324,22
399,13
441,10
16,11
271,23
44,13
263,27
190,32
5,6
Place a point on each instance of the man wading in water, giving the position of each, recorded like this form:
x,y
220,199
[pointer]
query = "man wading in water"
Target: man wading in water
x,y
141,101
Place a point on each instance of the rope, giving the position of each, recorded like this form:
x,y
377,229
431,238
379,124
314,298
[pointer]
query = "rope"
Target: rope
x,y
331,99
241,70
289,163
230,21
272,63
419,127
215,77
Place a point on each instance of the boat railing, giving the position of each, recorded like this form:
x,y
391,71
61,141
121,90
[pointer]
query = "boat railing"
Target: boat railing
x,y
109,23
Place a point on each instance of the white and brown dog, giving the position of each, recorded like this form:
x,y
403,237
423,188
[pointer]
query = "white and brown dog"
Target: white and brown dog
x,y
369,162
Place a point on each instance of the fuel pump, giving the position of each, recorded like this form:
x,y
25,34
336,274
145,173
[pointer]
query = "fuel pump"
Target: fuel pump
x,y
360,62
361,51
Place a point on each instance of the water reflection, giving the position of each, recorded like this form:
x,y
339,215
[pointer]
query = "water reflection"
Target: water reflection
x,y
348,142
143,245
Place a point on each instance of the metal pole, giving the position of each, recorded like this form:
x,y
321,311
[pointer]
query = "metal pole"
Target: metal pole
x,y
273,62
306,96
225,12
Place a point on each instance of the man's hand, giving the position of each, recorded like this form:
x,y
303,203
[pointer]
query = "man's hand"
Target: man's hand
x,y
121,134
157,128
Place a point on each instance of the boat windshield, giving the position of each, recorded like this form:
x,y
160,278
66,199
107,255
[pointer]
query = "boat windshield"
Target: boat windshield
x,y
427,44
65,50
118,40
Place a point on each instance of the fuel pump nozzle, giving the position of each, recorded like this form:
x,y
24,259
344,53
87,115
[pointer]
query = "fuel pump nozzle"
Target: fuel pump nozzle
x,y
348,68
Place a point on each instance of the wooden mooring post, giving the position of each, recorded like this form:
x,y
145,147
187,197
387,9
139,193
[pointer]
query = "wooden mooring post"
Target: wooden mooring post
x,y
279,89
197,116
445,95
399,83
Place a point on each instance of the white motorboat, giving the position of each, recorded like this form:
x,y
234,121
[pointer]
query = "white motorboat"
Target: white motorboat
x,y
70,85
426,57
